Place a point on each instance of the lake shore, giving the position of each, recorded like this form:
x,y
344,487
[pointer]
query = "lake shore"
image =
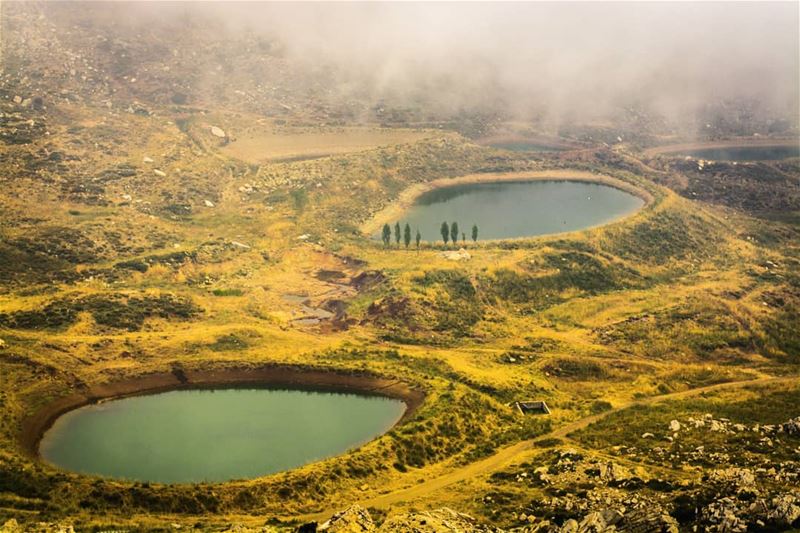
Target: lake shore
x,y
276,376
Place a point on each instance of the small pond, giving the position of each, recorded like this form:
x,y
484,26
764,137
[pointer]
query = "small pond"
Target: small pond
x,y
746,153
214,435
511,209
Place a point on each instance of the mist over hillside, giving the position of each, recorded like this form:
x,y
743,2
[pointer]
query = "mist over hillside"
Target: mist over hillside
x,y
670,65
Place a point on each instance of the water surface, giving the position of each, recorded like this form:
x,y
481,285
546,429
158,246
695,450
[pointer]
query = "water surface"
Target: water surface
x,y
214,435
518,208
746,153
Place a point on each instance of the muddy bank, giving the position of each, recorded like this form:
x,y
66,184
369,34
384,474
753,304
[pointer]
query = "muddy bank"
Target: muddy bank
x,y
409,196
294,377
672,149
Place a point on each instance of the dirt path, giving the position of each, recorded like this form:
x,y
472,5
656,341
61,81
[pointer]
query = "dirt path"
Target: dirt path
x,y
507,455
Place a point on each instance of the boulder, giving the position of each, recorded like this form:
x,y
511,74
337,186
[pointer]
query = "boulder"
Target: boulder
x,y
570,526
218,132
354,519
593,523
792,427
611,472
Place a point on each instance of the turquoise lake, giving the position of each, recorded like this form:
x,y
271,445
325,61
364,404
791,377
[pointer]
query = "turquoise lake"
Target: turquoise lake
x,y
214,435
518,208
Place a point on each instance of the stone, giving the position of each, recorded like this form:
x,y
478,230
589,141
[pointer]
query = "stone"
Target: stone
x,y
460,255
792,427
147,159
611,472
674,426
218,132
354,519
570,526
160,173
208,203
593,523
11,526
647,435
785,511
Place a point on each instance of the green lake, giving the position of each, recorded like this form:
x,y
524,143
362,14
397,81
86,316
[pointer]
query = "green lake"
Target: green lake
x,y
214,435
746,153
511,209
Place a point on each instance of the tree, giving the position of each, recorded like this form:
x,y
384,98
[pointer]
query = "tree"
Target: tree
x,y
387,234
454,233
463,237
407,235
418,238
397,233
300,197
474,233
445,231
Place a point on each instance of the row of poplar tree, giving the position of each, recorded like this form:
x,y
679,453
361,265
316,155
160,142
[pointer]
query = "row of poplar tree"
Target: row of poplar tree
x,y
449,233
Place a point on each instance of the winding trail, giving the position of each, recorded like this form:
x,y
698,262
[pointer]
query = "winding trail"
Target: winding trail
x,y
506,455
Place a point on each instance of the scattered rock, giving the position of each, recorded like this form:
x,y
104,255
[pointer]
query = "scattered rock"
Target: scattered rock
x,y
785,511
160,173
441,520
218,132
208,203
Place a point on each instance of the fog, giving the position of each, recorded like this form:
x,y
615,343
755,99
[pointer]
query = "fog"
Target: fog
x,y
527,59
575,58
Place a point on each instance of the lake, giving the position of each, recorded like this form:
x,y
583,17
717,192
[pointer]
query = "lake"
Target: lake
x,y
214,435
511,209
746,153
